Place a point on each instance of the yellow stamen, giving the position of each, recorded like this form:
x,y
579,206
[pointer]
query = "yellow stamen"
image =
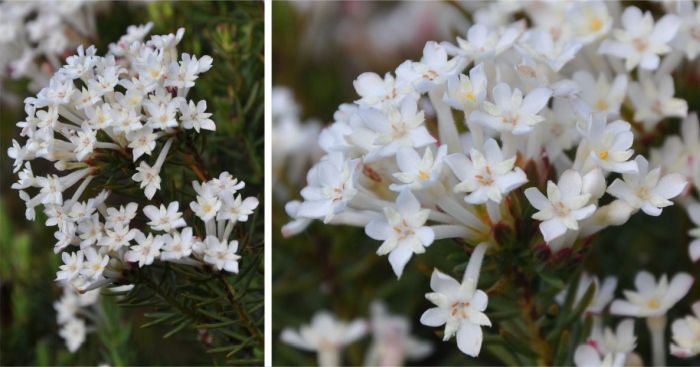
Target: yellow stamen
x,y
601,105
596,25
603,154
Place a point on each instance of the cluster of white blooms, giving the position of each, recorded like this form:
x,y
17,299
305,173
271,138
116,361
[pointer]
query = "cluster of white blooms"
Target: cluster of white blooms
x,y
392,342
102,111
440,147
294,142
686,334
72,311
34,36
376,29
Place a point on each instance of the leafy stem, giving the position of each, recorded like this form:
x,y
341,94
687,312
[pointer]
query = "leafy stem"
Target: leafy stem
x,y
242,314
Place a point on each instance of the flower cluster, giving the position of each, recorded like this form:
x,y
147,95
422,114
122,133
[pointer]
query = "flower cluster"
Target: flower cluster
x,y
99,123
35,35
294,141
391,344
547,112
380,29
71,310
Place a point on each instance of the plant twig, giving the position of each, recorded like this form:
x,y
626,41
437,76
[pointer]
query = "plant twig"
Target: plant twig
x,y
231,295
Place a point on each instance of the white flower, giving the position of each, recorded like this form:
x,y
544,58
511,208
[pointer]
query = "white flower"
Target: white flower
x,y
467,92
91,231
648,190
609,145
207,205
67,306
72,264
483,43
485,176
600,95
84,142
121,216
558,132
511,112
375,91
588,356
601,298
73,332
686,334
563,207
325,335
221,255
653,100
225,186
117,237
607,341
161,115
688,37
641,41
94,264
330,187
237,209
126,118
177,245
142,141
396,127
146,251
652,298
164,219
433,69
589,20
149,177
51,190
415,172
195,116
459,306
392,342
403,231
541,45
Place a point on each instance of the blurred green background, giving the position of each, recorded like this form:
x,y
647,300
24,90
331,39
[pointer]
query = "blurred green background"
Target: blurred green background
x,y
230,32
336,268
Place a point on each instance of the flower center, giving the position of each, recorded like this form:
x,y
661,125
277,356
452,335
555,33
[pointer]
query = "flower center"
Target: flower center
x,y
404,230
470,96
391,95
399,130
459,309
601,105
603,154
510,119
596,25
640,44
423,176
561,209
338,192
653,303
643,193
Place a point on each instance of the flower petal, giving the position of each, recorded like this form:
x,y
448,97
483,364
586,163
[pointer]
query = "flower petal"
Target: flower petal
x,y
434,317
469,338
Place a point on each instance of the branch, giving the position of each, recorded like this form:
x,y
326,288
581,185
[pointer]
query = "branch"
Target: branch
x,y
231,295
